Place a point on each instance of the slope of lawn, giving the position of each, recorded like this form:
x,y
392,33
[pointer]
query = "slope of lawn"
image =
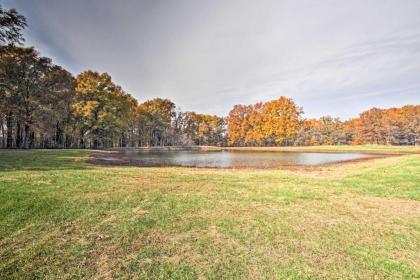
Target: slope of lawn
x,y
63,218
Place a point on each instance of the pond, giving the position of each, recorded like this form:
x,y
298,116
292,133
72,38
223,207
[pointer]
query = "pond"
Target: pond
x,y
227,159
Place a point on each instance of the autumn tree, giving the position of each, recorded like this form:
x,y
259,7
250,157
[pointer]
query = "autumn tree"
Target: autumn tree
x,y
309,133
281,120
351,131
275,122
409,117
210,130
154,121
237,124
253,125
371,128
101,109
55,119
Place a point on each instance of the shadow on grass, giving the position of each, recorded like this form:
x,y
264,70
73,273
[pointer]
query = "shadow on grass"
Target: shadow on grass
x,y
44,160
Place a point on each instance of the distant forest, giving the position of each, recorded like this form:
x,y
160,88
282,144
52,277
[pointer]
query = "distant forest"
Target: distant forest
x,y
43,106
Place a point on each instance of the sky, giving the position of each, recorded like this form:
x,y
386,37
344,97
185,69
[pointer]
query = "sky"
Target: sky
x,y
331,57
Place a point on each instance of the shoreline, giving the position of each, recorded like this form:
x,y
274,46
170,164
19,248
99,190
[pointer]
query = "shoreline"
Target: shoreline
x,y
118,158
371,149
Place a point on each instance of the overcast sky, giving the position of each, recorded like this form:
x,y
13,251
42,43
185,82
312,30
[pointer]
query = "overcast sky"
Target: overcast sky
x,y
332,57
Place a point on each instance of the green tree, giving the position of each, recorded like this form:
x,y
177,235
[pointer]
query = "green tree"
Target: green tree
x,y
155,119
11,26
23,88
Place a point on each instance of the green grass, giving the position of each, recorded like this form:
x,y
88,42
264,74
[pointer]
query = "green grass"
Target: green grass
x,y
61,217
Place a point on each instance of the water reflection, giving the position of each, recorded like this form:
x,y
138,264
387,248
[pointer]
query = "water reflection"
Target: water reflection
x,y
238,159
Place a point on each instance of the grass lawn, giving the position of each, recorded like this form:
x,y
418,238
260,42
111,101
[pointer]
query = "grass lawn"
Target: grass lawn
x,y
61,217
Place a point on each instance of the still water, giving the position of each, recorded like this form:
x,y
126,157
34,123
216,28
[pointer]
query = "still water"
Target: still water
x,y
225,159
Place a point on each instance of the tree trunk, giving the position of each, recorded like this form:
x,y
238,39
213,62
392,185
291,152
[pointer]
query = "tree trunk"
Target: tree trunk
x,y
18,136
32,139
3,138
58,136
95,144
67,141
82,140
26,136
9,125
123,140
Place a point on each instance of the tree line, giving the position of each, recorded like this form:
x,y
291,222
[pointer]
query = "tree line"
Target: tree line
x,y
280,122
42,105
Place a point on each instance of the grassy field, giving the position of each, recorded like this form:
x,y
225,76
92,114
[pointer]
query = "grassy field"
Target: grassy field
x,y
61,217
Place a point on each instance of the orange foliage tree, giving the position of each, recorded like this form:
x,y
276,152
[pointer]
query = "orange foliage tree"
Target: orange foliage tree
x,y
275,122
279,122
